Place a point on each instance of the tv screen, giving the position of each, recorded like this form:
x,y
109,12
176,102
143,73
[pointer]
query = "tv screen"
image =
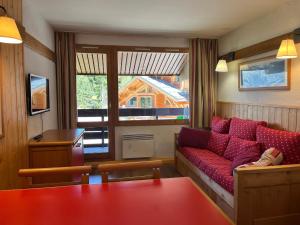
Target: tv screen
x,y
38,94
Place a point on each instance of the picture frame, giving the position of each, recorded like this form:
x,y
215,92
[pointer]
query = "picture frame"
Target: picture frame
x,y
268,73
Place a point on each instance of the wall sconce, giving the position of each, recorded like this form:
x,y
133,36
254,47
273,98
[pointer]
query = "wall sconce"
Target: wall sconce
x,y
287,49
222,66
9,32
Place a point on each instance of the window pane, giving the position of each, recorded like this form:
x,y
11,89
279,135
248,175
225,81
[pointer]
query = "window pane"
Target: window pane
x,y
153,86
91,98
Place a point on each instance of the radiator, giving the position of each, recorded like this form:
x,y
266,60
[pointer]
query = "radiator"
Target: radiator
x,y
137,146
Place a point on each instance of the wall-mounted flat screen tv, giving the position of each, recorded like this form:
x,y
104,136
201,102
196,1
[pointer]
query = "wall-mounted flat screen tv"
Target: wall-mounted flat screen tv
x,y
38,94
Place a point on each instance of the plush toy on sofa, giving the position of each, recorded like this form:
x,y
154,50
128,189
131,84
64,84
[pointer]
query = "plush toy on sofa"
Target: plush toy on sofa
x,y
270,157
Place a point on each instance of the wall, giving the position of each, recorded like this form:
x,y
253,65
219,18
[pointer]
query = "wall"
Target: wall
x,y
283,20
164,135
37,64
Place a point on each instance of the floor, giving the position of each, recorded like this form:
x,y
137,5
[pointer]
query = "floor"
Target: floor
x,y
166,171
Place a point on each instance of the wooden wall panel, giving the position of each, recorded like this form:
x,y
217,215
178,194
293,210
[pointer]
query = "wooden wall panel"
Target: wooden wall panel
x,y
280,117
13,146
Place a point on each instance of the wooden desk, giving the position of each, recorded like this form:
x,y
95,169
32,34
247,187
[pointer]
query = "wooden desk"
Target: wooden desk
x,y
56,148
172,201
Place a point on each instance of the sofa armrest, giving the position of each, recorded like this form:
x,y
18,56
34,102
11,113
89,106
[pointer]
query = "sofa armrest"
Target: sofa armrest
x,y
267,194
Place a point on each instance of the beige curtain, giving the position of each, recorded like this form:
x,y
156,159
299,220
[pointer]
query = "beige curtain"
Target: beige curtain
x,y
66,79
203,81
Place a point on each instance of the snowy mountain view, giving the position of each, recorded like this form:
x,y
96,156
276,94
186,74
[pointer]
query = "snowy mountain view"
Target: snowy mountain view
x,y
271,73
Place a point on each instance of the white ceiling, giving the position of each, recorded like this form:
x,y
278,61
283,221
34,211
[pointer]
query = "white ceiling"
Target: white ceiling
x,y
186,18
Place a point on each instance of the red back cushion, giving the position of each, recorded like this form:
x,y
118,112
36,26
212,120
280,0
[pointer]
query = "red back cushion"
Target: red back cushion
x,y
217,143
236,146
193,137
286,142
220,125
244,129
247,155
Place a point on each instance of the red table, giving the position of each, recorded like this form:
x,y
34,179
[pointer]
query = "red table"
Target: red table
x,y
149,202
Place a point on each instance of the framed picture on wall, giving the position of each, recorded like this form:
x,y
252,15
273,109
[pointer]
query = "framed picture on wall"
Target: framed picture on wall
x,y
267,73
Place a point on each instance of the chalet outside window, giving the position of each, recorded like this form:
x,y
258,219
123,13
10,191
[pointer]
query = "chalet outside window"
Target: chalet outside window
x,y
157,81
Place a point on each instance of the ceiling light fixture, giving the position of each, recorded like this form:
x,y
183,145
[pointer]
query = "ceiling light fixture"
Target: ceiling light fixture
x,y
9,32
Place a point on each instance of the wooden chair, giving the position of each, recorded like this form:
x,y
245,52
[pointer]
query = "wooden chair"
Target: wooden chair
x,y
106,168
28,174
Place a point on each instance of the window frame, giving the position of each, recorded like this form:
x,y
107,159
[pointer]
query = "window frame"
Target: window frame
x,y
114,95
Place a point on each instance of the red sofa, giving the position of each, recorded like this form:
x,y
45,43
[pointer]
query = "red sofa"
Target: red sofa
x,y
214,155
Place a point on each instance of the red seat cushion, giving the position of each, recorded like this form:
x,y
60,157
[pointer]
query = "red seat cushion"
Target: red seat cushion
x,y
218,142
244,129
213,165
286,142
220,125
236,146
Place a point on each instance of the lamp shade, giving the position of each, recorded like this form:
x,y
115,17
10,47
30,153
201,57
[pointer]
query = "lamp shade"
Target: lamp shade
x,y
287,50
222,66
9,32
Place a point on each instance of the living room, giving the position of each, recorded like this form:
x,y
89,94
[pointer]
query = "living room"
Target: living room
x,y
97,93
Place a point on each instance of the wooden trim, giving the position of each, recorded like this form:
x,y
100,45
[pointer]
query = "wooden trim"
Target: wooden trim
x,y
105,168
2,129
165,161
263,105
123,165
28,174
278,117
54,170
269,169
259,48
289,69
37,46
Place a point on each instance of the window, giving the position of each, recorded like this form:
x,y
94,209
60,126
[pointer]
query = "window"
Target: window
x,y
132,102
159,82
146,102
92,103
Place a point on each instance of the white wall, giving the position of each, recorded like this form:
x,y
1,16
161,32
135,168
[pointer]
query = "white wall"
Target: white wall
x,y
163,135
283,20
37,64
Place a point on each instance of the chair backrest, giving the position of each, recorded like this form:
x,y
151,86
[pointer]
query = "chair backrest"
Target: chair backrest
x,y
106,168
28,174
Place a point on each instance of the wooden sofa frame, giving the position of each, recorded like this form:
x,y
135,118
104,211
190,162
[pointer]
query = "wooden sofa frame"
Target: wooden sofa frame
x,y
263,195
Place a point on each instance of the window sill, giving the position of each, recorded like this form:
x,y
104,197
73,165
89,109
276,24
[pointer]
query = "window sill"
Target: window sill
x,y
152,122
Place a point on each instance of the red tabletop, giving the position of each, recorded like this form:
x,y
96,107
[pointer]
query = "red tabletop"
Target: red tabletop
x,y
149,202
